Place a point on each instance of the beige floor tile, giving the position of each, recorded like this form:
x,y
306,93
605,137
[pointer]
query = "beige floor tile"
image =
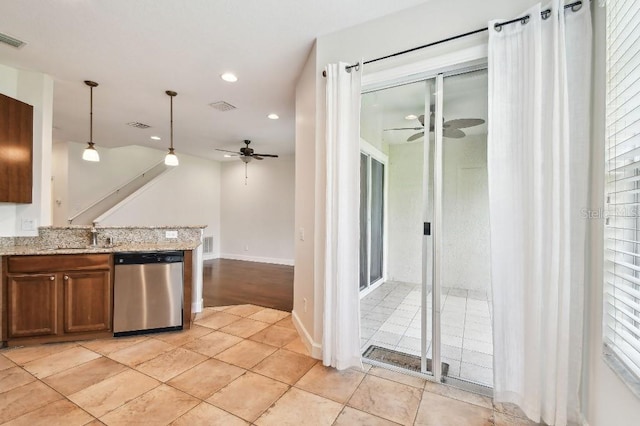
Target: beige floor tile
x,y
246,354
62,413
296,345
387,399
297,407
207,414
286,322
23,399
5,363
205,379
331,383
170,364
248,396
352,417
459,394
416,382
269,315
80,377
179,338
107,346
23,355
502,419
159,406
113,392
140,352
52,364
285,366
95,422
14,377
509,409
275,336
218,320
442,411
243,310
245,327
212,343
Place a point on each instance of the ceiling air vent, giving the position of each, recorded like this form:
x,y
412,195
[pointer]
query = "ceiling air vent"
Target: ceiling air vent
x,y
11,41
138,125
222,106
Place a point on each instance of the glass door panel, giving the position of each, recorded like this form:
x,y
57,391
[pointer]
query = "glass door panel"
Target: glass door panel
x,y
377,222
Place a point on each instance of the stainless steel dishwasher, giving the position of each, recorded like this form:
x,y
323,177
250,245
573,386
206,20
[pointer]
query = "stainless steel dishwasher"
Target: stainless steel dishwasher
x,y
147,292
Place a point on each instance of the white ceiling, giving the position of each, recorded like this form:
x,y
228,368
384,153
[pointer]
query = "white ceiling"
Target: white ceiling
x,y
138,49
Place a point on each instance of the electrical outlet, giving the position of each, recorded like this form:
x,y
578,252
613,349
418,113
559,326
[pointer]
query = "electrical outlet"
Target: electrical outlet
x,y
171,234
28,224
304,301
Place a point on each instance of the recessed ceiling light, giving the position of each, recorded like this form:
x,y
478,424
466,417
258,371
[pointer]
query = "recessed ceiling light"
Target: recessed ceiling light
x,y
227,76
155,138
411,117
273,116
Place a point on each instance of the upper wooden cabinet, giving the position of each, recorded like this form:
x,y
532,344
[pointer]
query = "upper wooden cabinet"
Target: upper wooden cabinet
x,y
16,150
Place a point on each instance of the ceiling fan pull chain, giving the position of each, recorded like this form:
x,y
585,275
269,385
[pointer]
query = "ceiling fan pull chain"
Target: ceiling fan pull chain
x,y
245,174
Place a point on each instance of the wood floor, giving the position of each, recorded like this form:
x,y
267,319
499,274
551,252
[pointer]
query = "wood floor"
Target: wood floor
x,y
236,282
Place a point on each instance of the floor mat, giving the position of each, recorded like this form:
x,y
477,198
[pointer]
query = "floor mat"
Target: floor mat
x,y
399,359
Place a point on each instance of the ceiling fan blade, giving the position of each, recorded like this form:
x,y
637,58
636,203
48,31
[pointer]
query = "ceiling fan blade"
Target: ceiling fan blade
x,y
233,152
461,123
266,155
453,133
421,119
257,157
415,137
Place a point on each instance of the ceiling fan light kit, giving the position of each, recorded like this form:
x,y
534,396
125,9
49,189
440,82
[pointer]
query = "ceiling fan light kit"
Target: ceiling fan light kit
x,y
246,155
90,153
171,159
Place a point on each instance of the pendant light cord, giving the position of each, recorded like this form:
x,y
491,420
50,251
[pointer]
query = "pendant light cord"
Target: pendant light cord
x,y
171,109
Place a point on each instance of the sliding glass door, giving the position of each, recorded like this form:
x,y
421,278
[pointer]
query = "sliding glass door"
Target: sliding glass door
x,y
434,304
371,220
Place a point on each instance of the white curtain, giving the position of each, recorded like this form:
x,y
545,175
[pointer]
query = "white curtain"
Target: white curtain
x,y
341,319
538,156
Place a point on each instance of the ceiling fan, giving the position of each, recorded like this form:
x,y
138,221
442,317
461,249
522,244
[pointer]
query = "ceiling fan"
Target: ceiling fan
x,y
451,128
246,154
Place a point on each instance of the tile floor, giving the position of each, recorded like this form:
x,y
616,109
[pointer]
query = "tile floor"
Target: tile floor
x,y
390,317
237,365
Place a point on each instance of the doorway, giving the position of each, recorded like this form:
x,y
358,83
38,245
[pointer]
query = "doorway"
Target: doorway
x,y
432,311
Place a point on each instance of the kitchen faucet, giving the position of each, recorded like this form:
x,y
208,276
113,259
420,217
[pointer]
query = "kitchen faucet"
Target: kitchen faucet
x,y
94,235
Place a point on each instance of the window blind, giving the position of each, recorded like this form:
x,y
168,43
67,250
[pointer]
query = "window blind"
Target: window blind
x,y
621,325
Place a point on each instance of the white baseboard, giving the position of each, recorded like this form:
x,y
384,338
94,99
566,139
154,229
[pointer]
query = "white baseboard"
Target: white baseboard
x,y
274,260
315,349
197,307
210,256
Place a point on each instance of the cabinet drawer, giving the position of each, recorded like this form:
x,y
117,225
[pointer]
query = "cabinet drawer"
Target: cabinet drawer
x,y
58,263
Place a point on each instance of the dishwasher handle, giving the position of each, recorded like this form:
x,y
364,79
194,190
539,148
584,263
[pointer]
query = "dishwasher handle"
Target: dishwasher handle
x,y
139,258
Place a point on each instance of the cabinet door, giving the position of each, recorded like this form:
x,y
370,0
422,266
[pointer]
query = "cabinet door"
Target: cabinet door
x,y
87,301
32,303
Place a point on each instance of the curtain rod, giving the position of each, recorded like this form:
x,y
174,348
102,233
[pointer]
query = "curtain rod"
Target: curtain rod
x,y
575,6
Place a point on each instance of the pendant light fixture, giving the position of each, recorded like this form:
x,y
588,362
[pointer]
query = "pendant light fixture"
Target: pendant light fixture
x,y
171,159
90,153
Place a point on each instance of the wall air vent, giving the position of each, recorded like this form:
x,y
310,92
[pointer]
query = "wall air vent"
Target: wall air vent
x,y
11,41
207,245
138,125
222,106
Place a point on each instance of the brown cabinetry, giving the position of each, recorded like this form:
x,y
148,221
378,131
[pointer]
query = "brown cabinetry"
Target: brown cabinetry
x,y
58,297
16,150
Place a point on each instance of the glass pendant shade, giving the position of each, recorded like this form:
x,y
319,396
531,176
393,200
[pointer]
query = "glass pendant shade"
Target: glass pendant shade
x,y
171,159
90,153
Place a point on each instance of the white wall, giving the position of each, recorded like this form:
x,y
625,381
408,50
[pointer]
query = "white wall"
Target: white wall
x,y
186,195
35,89
60,183
90,181
607,400
405,205
257,218
466,249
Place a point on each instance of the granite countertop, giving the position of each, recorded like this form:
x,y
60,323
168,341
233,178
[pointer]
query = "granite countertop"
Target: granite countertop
x,y
112,239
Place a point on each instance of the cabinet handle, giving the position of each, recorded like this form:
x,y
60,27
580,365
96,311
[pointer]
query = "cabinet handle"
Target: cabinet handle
x,y
52,278
66,277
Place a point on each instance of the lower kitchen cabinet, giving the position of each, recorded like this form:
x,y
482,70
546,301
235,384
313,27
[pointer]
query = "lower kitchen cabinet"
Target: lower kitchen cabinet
x,y
57,297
